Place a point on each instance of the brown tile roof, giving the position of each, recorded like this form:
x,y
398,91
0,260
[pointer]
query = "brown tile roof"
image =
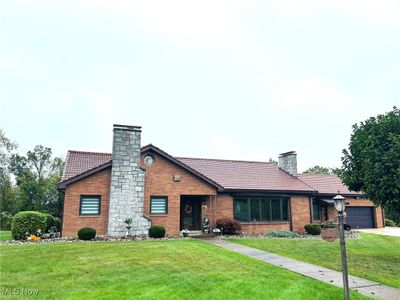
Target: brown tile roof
x,y
246,175
326,184
78,162
228,174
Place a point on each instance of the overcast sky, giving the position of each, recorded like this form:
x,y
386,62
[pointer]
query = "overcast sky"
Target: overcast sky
x,y
217,79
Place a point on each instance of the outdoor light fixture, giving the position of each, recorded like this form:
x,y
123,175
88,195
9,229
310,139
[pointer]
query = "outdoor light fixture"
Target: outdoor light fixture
x,y
340,205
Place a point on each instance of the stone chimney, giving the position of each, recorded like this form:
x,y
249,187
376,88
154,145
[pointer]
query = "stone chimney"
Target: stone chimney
x,y
127,183
288,162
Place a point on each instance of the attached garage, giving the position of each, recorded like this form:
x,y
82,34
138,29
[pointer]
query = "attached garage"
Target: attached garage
x,y
360,217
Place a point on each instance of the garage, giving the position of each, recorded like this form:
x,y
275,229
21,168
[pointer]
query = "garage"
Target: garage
x,y
360,217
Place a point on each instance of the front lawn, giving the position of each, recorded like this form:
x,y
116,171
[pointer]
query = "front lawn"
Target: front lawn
x,y
374,257
186,269
5,235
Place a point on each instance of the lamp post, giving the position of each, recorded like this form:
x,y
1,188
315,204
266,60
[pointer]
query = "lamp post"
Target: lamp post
x,y
340,205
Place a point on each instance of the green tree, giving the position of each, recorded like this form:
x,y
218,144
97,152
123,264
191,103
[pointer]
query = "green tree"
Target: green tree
x,y
372,162
317,170
37,174
322,170
6,188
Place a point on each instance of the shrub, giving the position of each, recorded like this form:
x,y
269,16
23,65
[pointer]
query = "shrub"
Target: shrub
x,y
57,223
86,233
281,234
50,221
157,232
27,222
329,224
390,223
346,226
312,229
229,226
5,220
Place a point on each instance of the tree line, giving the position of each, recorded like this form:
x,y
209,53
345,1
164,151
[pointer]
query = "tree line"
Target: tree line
x,y
28,182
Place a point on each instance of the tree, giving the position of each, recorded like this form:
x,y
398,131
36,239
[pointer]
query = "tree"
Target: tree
x,y
37,174
317,170
273,161
6,189
372,162
322,170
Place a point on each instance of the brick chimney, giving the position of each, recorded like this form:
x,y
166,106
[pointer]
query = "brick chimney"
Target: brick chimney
x,y
288,162
127,183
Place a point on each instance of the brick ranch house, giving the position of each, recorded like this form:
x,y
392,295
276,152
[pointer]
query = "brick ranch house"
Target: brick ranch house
x,y
152,187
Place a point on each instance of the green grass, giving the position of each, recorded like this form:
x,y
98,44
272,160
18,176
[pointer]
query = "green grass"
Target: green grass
x,y
375,257
5,235
151,270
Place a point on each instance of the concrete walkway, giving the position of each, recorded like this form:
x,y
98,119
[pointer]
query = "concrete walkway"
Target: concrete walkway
x,y
391,231
363,286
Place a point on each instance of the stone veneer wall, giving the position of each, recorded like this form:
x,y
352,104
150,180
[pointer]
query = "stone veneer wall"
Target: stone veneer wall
x,y
127,183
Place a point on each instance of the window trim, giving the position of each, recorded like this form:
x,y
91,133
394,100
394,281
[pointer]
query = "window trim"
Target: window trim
x,y
166,205
93,197
315,202
258,198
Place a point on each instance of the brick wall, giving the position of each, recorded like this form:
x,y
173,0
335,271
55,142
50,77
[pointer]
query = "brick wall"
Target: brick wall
x,y
261,228
159,182
96,184
300,212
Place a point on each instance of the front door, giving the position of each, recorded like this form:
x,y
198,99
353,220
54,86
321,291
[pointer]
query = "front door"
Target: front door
x,y
190,213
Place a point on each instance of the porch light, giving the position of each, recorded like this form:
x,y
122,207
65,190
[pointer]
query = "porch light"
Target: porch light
x,y
340,203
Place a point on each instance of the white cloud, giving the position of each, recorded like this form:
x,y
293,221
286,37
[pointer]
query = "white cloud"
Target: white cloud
x,y
198,23
311,93
369,12
20,65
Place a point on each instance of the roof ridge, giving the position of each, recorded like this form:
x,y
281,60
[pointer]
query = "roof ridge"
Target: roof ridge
x,y
88,152
227,160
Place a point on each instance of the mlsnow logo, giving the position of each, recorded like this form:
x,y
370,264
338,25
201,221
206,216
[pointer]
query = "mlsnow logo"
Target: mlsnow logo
x,y
19,292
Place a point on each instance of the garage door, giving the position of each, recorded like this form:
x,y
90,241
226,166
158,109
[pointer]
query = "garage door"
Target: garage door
x,y
360,217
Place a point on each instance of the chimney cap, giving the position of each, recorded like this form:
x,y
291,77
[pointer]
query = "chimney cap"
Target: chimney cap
x,y
127,127
288,153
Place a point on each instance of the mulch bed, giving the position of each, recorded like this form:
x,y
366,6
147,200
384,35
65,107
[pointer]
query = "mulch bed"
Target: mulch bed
x,y
351,234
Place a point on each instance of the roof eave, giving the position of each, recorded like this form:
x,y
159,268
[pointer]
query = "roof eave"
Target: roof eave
x,y
182,165
270,191
63,184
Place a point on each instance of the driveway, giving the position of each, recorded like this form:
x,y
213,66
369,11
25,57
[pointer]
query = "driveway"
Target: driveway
x,y
392,231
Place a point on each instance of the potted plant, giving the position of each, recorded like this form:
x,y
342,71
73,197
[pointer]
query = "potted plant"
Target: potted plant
x,y
329,231
128,226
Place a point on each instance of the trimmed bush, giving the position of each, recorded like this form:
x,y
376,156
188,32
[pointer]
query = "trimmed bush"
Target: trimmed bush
x,y
157,232
312,229
5,220
50,220
86,233
27,222
57,223
229,226
281,234
390,223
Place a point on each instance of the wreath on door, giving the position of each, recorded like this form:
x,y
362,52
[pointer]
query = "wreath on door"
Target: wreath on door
x,y
188,209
